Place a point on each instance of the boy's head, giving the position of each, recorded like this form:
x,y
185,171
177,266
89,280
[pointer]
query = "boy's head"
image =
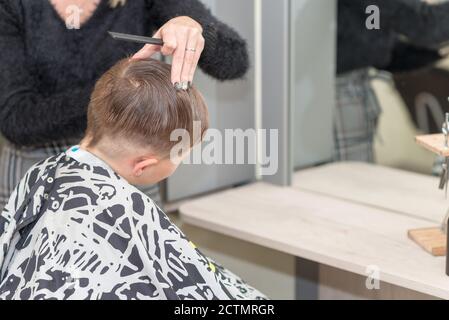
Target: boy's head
x,y
132,113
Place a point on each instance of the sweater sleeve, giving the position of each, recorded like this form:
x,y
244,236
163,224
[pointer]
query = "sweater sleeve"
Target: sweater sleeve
x,y
407,57
423,24
27,117
225,55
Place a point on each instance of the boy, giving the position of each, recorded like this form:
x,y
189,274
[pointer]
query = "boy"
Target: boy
x,y
76,228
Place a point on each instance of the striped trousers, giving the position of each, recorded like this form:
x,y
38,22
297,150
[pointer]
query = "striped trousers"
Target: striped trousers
x,y
356,116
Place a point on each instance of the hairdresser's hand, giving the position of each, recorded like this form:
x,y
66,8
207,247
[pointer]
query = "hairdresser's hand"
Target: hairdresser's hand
x,y
184,41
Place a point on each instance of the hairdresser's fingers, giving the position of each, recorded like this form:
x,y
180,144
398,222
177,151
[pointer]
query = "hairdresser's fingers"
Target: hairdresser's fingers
x,y
179,54
168,35
148,50
199,50
190,52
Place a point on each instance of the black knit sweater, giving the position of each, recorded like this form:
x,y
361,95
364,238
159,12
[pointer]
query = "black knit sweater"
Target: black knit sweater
x,y
410,31
47,72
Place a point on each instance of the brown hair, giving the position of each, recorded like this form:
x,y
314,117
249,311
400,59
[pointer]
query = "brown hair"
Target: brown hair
x,y
136,100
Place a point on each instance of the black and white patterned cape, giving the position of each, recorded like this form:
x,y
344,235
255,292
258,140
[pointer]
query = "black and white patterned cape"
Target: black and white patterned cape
x,y
74,229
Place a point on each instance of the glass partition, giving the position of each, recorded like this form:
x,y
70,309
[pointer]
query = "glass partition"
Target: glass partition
x,y
313,41
231,107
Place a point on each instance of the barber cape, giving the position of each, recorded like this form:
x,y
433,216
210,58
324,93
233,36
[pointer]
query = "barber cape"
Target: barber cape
x,y
74,229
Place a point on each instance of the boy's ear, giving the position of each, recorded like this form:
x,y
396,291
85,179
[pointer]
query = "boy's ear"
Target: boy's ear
x,y
143,163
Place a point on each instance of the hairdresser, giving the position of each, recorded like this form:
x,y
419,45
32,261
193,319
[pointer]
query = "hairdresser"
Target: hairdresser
x,y
52,51
373,36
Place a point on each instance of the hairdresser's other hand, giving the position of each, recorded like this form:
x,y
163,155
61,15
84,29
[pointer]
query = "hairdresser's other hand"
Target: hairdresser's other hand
x,y
184,41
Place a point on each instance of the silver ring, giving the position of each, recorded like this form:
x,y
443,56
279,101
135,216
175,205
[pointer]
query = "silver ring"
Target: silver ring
x,y
191,49
184,85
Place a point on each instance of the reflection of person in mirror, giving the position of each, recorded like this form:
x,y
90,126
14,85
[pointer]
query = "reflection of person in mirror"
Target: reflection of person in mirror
x,y
405,35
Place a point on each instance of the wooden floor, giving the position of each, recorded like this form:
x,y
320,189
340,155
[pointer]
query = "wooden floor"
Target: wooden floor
x,y
350,217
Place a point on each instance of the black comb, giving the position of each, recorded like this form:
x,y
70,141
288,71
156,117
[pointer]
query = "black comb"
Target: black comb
x,y
133,38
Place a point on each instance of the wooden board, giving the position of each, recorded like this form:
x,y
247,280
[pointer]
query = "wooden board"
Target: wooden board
x,y
434,143
433,240
341,234
391,189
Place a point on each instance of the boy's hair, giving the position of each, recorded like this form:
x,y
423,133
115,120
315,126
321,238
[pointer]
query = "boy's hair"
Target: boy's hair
x,y
136,100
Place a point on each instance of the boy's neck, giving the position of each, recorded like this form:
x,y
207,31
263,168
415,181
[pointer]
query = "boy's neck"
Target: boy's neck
x,y
102,156
136,168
